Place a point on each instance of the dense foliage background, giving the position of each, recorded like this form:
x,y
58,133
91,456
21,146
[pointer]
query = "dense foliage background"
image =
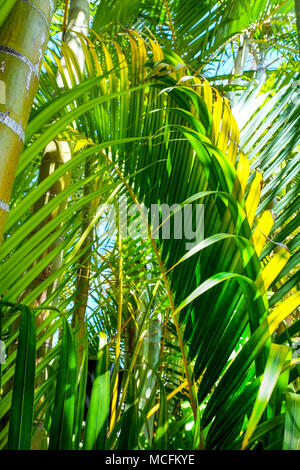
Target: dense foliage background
x,y
150,102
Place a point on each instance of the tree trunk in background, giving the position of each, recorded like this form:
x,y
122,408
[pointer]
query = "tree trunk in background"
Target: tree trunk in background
x,y
78,22
260,58
239,66
23,41
297,10
240,61
83,273
56,154
243,109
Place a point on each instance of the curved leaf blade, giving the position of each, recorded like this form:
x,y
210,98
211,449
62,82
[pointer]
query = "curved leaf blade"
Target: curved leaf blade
x,y
64,401
291,440
98,412
20,428
273,369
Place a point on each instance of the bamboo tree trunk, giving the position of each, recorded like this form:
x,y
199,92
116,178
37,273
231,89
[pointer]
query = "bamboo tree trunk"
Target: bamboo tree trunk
x,y
23,41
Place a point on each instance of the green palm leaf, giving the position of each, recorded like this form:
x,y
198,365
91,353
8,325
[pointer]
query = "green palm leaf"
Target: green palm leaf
x,y
64,403
20,427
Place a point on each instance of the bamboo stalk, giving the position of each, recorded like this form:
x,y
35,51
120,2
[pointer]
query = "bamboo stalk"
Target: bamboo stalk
x,y
23,41
83,274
